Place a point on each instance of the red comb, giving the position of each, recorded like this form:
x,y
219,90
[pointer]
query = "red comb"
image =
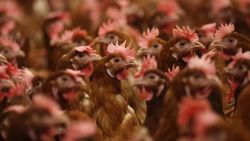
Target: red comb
x,y
217,5
126,51
169,7
25,75
147,36
10,8
88,49
107,27
47,103
9,43
189,108
77,75
69,35
185,32
15,108
7,27
239,56
12,69
209,29
80,130
64,16
94,9
243,4
148,63
171,73
224,30
3,72
204,63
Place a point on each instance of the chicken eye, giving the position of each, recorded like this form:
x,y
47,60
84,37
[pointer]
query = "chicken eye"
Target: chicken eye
x,y
230,41
5,51
117,60
152,76
37,84
64,79
197,76
112,37
182,44
156,46
242,67
80,55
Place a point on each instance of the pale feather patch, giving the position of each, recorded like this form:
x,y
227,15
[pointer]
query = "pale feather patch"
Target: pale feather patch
x,y
148,63
239,56
209,29
185,32
205,64
147,36
126,51
107,27
224,30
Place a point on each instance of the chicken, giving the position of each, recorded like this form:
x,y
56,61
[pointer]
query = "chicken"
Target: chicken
x,y
141,135
80,58
8,89
77,36
9,27
198,122
180,49
53,27
206,33
83,130
242,107
57,5
7,116
222,11
37,122
11,50
111,32
15,84
150,43
68,89
67,41
166,17
114,117
191,118
242,7
238,72
229,42
198,81
226,11
152,86
123,12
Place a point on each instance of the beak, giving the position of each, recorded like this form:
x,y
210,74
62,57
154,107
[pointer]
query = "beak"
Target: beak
x,y
20,53
101,40
139,82
131,64
231,71
216,44
142,52
3,59
7,85
94,57
198,45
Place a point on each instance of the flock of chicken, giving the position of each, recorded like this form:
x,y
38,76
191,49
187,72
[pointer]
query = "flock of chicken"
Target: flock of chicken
x,y
137,73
